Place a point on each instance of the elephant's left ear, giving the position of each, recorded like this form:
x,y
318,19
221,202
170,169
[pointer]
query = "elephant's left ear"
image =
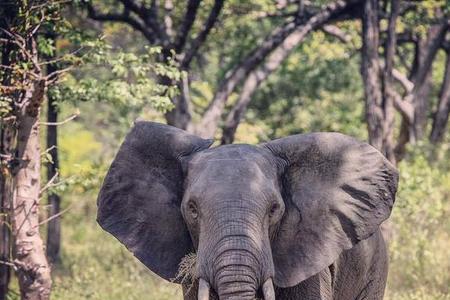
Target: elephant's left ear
x,y
139,202
337,191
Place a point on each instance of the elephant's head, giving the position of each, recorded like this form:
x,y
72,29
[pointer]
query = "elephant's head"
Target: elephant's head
x,y
279,212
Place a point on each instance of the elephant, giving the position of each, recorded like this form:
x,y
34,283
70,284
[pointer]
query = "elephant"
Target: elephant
x,y
294,218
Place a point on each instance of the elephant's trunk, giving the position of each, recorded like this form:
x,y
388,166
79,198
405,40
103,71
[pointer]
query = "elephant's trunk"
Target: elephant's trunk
x,y
235,255
235,276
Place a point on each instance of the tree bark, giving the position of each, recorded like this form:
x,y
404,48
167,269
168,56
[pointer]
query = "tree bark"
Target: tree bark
x,y
421,93
413,129
7,140
440,119
388,88
33,271
371,74
6,188
180,116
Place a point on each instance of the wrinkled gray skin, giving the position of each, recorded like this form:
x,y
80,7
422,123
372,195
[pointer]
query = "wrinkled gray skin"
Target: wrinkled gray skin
x,y
303,211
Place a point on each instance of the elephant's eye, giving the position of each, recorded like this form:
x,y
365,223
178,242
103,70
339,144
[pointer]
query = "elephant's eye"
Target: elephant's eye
x,y
192,208
274,209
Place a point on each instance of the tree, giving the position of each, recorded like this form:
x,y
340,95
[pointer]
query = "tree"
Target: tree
x,y
440,119
298,19
24,84
380,92
54,200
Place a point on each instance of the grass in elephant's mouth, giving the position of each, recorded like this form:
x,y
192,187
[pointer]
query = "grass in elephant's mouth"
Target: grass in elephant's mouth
x,y
187,271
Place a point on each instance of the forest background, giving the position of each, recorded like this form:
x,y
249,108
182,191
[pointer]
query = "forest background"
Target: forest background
x,y
237,71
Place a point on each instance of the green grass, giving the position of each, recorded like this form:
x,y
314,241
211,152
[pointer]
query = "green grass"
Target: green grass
x,y
96,266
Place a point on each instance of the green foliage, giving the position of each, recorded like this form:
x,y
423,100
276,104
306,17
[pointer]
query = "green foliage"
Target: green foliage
x,y
421,231
321,78
121,78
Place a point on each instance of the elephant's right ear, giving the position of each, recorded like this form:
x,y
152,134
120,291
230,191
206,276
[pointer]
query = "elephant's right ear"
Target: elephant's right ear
x,y
139,202
337,192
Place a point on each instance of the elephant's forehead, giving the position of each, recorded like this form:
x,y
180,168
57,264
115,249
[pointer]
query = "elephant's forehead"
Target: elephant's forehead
x,y
229,153
231,168
231,162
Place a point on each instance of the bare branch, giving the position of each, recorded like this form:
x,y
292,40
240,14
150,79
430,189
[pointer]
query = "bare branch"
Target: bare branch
x,y
200,39
186,24
124,17
337,33
61,122
403,79
50,183
55,75
54,216
404,107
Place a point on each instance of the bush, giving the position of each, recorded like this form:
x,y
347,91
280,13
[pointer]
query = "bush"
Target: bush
x,y
419,249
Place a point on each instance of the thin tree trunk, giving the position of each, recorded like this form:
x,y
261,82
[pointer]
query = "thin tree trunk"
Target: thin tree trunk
x,y
8,138
440,119
412,130
6,150
5,192
388,88
54,201
371,74
180,115
4,242
33,271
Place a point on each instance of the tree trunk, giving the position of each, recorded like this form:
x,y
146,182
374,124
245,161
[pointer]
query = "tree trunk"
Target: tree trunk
x,y
6,188
33,271
412,130
4,243
180,115
371,74
7,139
54,201
440,119
388,85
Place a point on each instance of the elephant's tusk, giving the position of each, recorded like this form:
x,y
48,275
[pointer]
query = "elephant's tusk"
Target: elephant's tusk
x,y
268,291
203,290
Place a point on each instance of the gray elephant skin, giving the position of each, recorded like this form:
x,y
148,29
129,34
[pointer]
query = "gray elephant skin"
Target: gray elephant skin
x,y
294,218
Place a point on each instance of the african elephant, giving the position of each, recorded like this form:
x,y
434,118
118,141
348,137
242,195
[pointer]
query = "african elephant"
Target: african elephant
x,y
294,218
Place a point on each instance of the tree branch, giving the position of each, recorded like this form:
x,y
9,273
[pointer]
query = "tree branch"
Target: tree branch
x,y
200,39
124,17
335,31
433,47
403,79
186,25
168,22
151,19
441,115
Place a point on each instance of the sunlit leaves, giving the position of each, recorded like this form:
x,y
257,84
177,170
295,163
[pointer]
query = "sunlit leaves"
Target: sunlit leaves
x,y
124,78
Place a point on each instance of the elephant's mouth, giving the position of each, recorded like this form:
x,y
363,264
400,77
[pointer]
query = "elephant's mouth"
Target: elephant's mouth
x,y
186,273
267,290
